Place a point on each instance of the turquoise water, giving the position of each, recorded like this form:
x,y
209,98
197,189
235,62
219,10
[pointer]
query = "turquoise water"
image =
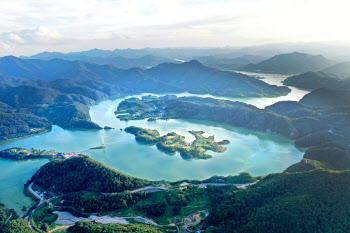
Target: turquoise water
x,y
13,176
255,152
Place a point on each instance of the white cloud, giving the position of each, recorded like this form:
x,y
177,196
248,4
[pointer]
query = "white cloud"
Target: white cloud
x,y
32,36
30,26
5,48
15,38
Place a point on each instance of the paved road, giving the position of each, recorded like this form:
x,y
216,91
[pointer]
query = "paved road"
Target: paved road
x,y
205,185
150,188
33,192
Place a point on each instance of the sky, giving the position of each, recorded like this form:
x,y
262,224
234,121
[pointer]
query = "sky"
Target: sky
x,y
31,26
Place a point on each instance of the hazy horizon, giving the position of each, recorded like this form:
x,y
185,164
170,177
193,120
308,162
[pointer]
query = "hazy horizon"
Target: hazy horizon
x,y
30,27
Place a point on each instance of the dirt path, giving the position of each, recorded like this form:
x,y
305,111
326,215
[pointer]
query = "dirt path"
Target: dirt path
x,y
59,227
8,218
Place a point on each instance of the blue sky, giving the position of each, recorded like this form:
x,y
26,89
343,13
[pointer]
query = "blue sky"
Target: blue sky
x,y
32,26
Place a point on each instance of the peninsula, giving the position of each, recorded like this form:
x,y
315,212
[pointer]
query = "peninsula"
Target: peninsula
x,y
173,142
18,153
218,110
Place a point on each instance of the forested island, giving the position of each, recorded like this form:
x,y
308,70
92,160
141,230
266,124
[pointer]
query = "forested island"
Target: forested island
x,y
172,142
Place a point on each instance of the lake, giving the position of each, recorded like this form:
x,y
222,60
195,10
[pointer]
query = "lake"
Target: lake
x,y
249,151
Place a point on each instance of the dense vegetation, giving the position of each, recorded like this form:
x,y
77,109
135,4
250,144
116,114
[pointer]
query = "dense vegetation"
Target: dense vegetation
x,y
84,174
172,205
86,202
44,218
316,201
15,124
17,226
94,227
4,214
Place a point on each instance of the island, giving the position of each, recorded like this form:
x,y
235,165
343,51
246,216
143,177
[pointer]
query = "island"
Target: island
x,y
18,153
173,142
98,147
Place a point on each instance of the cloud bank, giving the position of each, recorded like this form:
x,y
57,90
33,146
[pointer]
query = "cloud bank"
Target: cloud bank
x,y
32,26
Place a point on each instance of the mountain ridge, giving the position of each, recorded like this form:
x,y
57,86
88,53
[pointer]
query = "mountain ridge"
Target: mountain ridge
x,y
290,63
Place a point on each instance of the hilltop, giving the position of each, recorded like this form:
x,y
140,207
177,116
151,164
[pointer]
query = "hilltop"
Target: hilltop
x,y
84,174
313,80
341,70
290,63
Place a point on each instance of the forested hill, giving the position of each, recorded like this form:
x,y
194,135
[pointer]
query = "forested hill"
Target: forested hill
x,y
84,174
316,201
313,81
342,70
290,63
194,77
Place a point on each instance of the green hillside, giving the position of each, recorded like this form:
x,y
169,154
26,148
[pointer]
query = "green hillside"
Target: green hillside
x,y
316,201
84,174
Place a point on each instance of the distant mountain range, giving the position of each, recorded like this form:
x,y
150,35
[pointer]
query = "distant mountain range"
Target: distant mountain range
x,y
59,91
336,51
291,63
229,58
121,62
227,63
132,58
342,70
165,78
